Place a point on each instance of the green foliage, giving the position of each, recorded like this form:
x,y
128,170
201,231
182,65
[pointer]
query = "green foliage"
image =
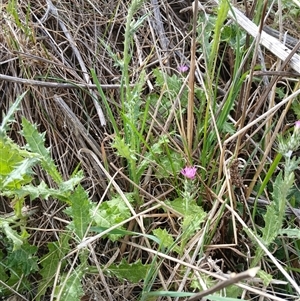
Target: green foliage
x,y
50,262
110,213
12,8
35,144
282,188
18,265
79,211
17,182
70,287
266,278
169,164
123,149
290,232
8,118
173,84
22,260
193,217
296,108
167,240
132,272
16,165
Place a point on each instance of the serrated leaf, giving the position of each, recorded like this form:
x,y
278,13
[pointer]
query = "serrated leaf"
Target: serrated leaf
x,y
281,190
133,272
20,175
70,184
23,260
70,287
111,213
169,165
174,84
50,262
11,234
9,116
79,211
272,225
266,278
290,233
123,149
15,165
155,149
34,192
166,239
192,209
35,143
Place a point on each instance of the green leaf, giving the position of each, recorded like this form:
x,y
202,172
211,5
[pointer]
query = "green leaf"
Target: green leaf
x,y
34,192
50,262
272,225
290,233
193,209
20,175
11,234
155,150
266,278
111,213
166,239
70,287
12,158
174,84
123,149
36,142
9,116
133,272
79,211
70,184
23,261
168,165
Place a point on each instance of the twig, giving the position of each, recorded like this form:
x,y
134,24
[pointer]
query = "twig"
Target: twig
x,y
234,278
33,82
190,109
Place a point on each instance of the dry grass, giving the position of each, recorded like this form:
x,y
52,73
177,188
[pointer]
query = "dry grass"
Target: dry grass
x,y
51,57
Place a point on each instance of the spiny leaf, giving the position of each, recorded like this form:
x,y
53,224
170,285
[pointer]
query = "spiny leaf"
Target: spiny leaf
x,y
9,116
123,149
111,213
70,288
108,218
15,165
167,240
79,210
174,84
50,262
23,259
36,142
20,175
193,209
11,234
133,272
291,233
272,225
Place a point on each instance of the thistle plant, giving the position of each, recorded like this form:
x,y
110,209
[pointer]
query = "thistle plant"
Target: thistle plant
x,y
190,190
283,184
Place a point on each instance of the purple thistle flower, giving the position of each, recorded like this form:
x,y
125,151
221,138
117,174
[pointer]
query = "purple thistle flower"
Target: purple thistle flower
x,y
297,125
189,172
182,68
